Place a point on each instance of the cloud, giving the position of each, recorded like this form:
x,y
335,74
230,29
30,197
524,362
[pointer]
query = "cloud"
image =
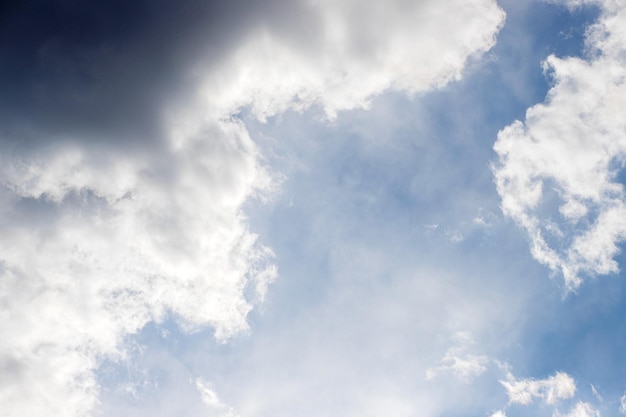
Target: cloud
x,y
581,409
458,362
124,168
557,171
352,51
551,390
622,404
211,400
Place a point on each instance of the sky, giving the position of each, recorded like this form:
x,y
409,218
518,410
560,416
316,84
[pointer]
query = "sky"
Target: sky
x,y
272,208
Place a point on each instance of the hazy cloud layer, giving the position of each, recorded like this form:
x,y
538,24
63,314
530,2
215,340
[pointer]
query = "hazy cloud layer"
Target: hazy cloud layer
x,y
350,51
553,391
212,401
94,247
124,169
581,409
557,172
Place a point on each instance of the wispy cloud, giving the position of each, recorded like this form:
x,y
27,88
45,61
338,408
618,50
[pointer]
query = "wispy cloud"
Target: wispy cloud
x,y
212,401
110,221
353,51
551,390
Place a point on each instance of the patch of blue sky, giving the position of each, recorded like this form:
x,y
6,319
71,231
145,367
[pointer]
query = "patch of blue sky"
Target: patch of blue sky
x,y
584,335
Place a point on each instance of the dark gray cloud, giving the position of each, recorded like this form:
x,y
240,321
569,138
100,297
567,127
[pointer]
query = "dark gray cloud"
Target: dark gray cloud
x,y
103,70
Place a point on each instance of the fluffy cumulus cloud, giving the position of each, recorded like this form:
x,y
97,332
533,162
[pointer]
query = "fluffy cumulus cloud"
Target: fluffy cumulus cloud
x,y
96,245
351,51
551,390
557,171
124,169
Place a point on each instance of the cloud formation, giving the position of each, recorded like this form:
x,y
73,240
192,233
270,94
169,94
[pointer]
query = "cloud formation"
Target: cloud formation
x,y
551,390
212,401
558,171
124,168
581,409
95,246
458,362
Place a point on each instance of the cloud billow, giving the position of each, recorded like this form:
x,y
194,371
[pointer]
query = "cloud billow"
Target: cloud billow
x,y
569,152
123,170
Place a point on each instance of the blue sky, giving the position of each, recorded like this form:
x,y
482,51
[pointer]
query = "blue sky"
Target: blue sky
x,y
313,209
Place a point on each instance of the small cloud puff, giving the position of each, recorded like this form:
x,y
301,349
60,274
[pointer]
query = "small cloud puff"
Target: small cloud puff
x,y
581,409
622,404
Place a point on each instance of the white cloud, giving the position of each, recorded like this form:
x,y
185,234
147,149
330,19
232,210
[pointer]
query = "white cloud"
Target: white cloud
x,y
212,401
551,390
458,362
572,147
499,413
120,241
353,51
622,404
455,236
581,409
484,218
97,240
